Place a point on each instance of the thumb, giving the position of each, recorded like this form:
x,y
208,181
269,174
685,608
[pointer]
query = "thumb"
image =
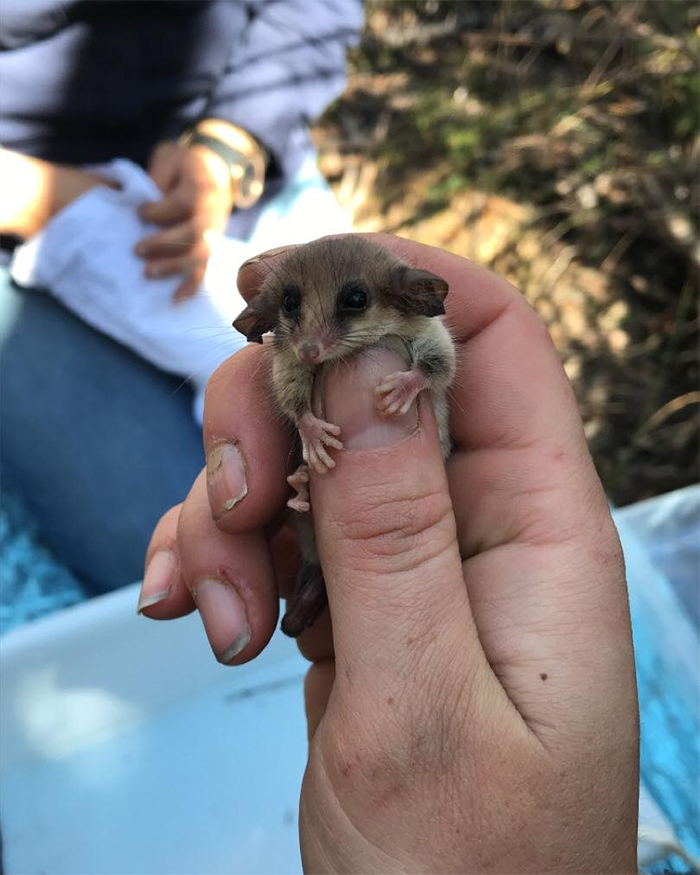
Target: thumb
x,y
386,531
164,166
164,170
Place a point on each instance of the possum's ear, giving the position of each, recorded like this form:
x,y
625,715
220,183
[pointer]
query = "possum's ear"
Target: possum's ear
x,y
418,292
257,319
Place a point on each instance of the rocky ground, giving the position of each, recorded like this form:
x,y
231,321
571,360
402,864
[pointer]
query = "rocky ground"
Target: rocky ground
x,y
557,144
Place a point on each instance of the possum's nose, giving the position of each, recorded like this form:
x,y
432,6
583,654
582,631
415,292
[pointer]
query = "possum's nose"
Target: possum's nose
x,y
309,353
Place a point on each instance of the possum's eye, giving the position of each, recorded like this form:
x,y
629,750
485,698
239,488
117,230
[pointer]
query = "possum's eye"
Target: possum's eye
x,y
353,296
291,299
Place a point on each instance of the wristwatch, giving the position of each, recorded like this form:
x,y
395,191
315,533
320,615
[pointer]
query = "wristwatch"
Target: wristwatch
x,y
247,168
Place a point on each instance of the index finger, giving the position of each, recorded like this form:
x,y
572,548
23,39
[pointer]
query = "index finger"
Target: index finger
x,y
247,444
175,206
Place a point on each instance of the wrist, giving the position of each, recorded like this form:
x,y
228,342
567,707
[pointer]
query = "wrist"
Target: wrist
x,y
230,134
69,183
215,166
244,158
35,190
25,205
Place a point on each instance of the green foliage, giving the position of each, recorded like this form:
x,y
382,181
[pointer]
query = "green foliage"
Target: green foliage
x,y
581,88
588,110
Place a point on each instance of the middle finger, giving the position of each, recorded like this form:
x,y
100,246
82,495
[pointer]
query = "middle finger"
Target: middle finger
x,y
231,579
171,242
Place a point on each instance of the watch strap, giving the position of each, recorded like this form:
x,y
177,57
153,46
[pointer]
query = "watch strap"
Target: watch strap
x,y
246,169
230,156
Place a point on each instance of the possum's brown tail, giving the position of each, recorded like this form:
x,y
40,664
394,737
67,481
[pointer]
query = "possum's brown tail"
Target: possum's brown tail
x,y
307,601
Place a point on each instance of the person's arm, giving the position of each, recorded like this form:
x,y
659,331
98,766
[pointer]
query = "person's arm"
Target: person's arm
x,y
34,190
473,706
286,67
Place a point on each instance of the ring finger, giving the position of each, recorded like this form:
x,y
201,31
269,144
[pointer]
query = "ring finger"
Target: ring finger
x,y
171,241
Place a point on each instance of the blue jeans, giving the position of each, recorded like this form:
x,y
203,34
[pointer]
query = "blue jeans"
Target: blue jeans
x,y
97,442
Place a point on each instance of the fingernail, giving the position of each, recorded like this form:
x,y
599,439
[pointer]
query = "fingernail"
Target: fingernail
x,y
224,617
153,270
269,253
349,401
140,249
226,477
158,579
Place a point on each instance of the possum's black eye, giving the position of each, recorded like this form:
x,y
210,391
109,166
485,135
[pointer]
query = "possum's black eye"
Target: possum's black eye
x,y
354,296
291,299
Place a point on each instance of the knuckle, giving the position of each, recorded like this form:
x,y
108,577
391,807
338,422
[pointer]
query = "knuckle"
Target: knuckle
x,y
200,250
418,735
182,202
196,225
165,533
189,235
402,532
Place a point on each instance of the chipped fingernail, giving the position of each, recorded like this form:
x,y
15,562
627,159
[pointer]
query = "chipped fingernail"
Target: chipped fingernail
x,y
226,477
157,580
269,253
224,616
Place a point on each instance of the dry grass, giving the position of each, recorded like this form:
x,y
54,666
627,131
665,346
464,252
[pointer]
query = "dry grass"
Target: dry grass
x,y
557,143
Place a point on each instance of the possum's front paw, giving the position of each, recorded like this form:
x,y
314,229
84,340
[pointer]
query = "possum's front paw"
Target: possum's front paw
x,y
316,435
398,391
299,480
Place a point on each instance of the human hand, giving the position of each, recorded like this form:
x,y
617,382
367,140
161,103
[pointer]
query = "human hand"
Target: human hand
x,y
473,707
197,200
33,191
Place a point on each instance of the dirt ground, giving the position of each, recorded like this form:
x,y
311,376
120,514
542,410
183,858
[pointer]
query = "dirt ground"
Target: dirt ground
x,y
557,144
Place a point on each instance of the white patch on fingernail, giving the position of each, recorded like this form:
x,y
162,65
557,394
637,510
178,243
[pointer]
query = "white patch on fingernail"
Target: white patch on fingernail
x,y
233,651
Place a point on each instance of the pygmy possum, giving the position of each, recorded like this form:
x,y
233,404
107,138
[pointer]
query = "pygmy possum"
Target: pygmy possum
x,y
324,302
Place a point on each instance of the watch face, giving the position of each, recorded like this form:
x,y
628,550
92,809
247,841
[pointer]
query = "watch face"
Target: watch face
x,y
250,183
248,179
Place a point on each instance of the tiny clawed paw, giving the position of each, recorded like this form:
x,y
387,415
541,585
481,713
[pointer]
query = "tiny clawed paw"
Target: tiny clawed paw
x,y
299,477
396,393
316,435
299,480
392,381
318,458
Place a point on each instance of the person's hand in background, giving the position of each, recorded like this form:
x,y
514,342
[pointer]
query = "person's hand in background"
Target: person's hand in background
x,y
33,191
197,200
473,706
